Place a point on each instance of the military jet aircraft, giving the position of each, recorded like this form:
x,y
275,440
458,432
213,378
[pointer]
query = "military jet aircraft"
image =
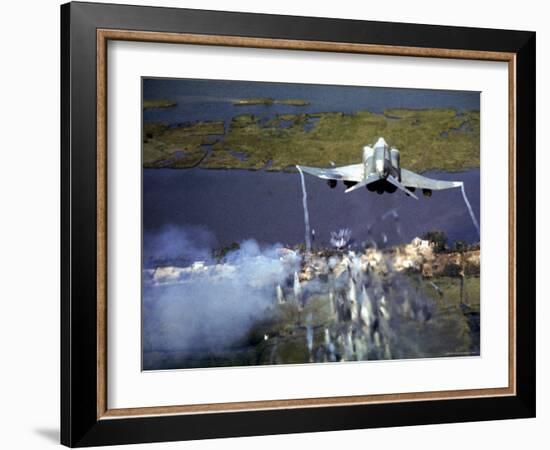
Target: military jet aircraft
x,y
380,171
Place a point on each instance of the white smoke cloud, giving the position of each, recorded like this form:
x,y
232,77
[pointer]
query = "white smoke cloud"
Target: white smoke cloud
x,y
209,310
190,243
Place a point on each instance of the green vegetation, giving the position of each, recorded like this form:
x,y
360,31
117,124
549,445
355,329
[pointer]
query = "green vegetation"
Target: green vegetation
x,y
441,243
460,246
223,251
452,269
286,343
270,101
182,146
286,330
455,319
428,139
450,287
438,239
150,104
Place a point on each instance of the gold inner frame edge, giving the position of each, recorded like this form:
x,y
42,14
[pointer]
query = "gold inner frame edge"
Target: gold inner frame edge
x,y
103,36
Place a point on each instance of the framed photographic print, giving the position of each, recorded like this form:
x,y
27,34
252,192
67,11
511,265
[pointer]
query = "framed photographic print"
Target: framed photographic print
x,y
276,224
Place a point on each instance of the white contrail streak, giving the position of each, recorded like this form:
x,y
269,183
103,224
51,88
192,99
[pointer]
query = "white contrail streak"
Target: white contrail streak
x,y
474,220
306,211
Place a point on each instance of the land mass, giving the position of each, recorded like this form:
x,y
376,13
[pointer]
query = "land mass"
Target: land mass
x,y
409,301
153,104
270,101
429,139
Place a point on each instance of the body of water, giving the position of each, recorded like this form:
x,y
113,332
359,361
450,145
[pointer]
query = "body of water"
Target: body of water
x,y
234,205
214,99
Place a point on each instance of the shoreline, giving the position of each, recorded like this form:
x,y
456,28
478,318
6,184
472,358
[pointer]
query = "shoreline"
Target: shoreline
x,y
429,139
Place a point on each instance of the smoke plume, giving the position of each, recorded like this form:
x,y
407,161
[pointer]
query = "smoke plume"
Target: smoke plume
x,y
177,245
203,307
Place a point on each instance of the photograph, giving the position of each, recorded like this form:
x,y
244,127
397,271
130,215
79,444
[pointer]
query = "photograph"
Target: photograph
x,y
292,223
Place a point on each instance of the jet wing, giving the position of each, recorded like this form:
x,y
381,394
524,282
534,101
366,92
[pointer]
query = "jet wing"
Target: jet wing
x,y
354,172
413,180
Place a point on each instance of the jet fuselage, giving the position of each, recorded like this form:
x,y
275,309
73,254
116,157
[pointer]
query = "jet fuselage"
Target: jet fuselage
x,y
382,161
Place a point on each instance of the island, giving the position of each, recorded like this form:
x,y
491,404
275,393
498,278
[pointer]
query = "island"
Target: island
x,y
270,101
155,104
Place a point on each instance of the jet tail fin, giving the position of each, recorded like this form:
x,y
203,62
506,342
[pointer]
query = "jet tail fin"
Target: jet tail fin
x,y
398,185
370,179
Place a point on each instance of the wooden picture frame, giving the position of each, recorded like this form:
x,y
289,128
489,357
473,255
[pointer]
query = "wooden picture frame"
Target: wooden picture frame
x,y
86,418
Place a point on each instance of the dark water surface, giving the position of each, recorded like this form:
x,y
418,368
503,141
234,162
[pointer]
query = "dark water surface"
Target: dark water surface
x,y
213,99
267,206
